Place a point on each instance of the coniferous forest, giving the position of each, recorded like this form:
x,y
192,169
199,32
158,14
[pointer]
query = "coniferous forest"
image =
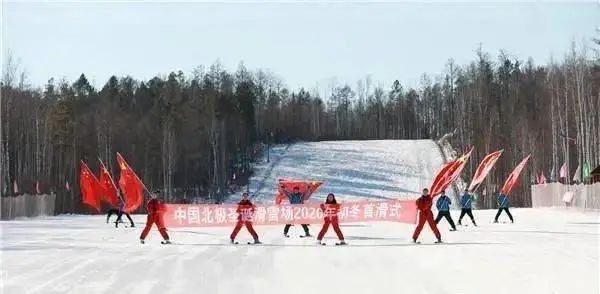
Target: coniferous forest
x,y
188,134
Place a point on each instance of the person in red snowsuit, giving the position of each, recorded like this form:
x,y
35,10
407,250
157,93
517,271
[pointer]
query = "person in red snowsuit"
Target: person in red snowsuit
x,y
245,210
155,216
426,215
330,210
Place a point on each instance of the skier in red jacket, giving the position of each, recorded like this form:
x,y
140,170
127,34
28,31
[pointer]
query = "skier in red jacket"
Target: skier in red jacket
x,y
245,210
155,216
330,209
426,215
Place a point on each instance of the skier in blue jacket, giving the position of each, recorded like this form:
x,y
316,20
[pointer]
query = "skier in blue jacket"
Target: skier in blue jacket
x,y
503,205
466,201
296,198
443,206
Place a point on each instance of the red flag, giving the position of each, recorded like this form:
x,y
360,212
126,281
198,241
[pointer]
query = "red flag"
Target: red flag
x,y
291,184
449,173
109,189
131,186
89,187
484,168
37,188
513,178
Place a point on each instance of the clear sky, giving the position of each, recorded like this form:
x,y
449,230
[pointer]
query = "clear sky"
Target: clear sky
x,y
304,44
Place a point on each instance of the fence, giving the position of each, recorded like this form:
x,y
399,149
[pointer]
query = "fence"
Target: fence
x,y
27,206
552,194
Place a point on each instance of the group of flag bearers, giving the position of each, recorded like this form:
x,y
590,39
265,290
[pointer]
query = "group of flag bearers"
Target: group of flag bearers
x,y
130,184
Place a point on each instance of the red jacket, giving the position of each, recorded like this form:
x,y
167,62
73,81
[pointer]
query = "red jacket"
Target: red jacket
x,y
154,206
424,203
245,210
330,210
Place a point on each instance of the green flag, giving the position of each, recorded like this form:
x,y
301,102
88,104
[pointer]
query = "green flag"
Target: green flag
x,y
585,172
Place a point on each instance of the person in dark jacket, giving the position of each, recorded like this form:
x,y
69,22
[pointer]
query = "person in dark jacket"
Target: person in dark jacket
x,y
466,203
119,212
155,216
443,205
503,205
245,211
424,204
297,198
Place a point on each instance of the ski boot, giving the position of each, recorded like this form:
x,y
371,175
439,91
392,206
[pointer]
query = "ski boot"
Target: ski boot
x,y
142,241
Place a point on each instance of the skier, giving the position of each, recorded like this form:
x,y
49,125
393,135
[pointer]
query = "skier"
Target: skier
x,y
426,215
330,209
245,210
119,212
503,205
155,209
465,201
443,206
296,198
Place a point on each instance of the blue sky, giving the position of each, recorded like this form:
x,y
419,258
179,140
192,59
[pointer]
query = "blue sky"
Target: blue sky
x,y
305,44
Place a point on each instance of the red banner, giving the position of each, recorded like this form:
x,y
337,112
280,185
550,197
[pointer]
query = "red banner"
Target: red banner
x,y
513,178
186,215
90,187
109,189
484,168
130,185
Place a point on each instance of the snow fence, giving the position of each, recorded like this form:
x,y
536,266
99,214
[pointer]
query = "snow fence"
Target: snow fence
x,y
27,206
559,195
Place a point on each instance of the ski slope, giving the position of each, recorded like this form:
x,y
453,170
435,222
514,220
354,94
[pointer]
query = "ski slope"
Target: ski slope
x,y
545,251
352,170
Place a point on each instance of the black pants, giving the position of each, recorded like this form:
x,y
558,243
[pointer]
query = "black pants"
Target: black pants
x,y
448,217
467,211
121,213
287,229
111,212
119,216
500,211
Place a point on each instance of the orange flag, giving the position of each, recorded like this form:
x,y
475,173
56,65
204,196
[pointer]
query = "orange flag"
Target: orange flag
x,y
131,185
513,178
449,173
109,189
484,168
90,187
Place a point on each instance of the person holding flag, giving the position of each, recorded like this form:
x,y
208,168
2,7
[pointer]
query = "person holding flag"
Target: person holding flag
x,y
297,198
330,211
155,210
503,205
424,204
245,211
119,212
443,205
466,203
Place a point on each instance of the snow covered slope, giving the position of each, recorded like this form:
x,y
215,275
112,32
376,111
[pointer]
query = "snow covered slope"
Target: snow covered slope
x,y
353,170
545,251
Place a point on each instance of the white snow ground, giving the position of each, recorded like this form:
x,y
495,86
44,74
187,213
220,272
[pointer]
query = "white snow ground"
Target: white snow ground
x,y
545,251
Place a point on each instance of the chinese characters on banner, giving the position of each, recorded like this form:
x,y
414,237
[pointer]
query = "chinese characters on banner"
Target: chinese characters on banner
x,y
189,215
